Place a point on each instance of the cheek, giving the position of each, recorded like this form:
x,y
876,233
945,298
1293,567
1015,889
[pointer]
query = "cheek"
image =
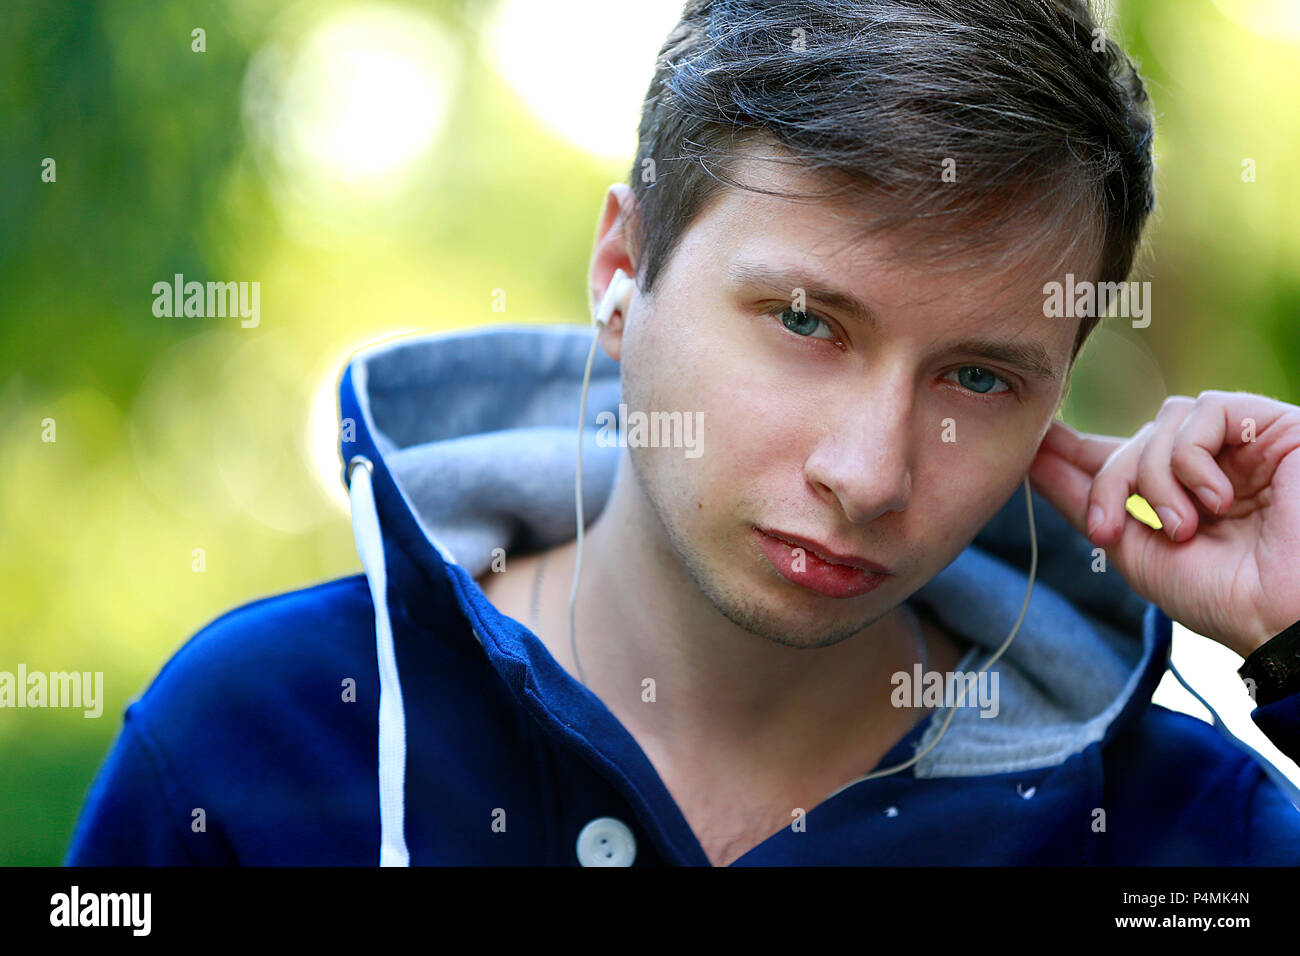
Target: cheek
x,y
663,372
670,366
962,484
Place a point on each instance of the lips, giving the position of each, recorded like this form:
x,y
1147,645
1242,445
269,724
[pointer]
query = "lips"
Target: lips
x,y
826,554
818,569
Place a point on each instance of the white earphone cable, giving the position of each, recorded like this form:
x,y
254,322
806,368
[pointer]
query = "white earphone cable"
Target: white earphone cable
x,y
577,505
1033,571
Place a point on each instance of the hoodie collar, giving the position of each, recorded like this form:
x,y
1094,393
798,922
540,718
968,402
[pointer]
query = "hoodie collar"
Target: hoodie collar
x,y
471,439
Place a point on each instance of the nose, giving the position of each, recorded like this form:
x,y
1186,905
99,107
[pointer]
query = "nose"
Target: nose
x,y
862,459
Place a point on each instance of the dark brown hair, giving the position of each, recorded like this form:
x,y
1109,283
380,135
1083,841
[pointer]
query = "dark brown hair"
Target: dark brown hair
x,y
1042,118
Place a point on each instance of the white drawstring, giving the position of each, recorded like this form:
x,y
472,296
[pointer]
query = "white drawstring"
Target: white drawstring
x,y
392,717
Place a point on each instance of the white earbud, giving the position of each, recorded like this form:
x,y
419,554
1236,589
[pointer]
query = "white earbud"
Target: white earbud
x,y
617,296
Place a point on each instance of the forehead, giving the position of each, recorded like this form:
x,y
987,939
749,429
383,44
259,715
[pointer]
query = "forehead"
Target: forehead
x,y
963,285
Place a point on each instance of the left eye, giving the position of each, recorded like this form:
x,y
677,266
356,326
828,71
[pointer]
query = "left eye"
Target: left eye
x,y
803,324
976,378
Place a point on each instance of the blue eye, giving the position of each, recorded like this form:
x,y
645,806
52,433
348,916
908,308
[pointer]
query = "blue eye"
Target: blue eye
x,y
803,324
982,381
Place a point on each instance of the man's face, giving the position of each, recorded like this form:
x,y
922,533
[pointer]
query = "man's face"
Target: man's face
x,y
892,437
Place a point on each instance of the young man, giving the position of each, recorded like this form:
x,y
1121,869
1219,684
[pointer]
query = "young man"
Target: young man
x,y
841,221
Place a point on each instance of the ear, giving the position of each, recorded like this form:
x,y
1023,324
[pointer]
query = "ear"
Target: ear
x,y
613,251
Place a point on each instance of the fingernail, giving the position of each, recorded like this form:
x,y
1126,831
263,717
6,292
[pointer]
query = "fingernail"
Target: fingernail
x,y
1095,517
1207,495
1169,521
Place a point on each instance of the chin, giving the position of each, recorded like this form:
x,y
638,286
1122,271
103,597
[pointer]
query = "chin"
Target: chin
x,y
778,612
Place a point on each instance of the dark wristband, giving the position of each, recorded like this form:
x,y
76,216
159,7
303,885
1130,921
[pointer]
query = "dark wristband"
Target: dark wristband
x,y
1273,668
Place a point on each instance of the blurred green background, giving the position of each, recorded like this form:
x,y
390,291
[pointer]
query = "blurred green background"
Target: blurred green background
x,y
383,168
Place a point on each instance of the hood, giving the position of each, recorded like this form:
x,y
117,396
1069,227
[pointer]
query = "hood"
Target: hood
x,y
468,445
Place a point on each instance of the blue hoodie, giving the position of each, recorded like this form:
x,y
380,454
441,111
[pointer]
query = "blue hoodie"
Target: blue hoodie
x,y
397,717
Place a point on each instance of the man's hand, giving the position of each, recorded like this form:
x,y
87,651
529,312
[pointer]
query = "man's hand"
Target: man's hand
x,y
1222,472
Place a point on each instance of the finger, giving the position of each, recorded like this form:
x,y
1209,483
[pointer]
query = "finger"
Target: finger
x,y
1196,443
1111,487
1063,484
1137,545
1155,475
1067,487
1246,415
1253,425
1086,451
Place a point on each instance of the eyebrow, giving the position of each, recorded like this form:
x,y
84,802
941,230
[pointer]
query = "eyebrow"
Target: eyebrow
x,y
1030,357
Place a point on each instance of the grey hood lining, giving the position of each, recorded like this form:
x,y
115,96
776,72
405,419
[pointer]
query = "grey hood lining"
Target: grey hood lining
x,y
477,429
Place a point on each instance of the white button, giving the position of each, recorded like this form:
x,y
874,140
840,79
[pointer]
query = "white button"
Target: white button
x,y
606,842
